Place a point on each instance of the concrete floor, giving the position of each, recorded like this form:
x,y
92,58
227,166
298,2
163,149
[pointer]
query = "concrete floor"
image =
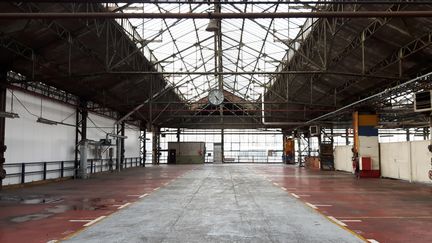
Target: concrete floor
x,y
217,203
53,211
191,203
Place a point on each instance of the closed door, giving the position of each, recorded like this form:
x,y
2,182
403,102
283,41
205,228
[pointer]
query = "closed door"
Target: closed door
x,y
217,153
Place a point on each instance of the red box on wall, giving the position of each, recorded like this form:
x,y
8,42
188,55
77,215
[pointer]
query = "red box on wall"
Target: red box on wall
x,y
366,163
366,170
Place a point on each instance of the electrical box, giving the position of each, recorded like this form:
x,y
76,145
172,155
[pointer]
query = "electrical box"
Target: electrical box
x,y
314,130
423,101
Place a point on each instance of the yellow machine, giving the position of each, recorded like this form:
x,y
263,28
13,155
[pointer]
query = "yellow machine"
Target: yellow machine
x,y
289,152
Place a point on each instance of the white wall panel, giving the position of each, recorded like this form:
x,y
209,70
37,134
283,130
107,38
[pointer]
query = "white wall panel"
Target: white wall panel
x,y
132,143
395,160
343,158
369,147
421,158
29,141
98,126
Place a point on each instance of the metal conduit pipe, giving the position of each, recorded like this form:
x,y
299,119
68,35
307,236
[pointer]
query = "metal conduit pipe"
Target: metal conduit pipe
x,y
305,72
234,2
116,15
367,98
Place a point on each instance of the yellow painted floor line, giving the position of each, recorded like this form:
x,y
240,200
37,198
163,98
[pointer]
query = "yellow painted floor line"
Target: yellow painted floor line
x,y
311,205
94,221
124,205
337,221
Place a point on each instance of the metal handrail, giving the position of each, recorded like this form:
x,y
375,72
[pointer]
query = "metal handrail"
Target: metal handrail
x,y
92,165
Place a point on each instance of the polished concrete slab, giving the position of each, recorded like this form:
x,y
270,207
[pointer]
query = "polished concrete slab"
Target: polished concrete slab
x,y
217,203
52,211
380,210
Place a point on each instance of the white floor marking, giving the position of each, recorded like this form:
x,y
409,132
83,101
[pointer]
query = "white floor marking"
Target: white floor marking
x,y
283,188
311,205
274,183
94,221
351,220
143,195
337,221
373,241
124,205
80,220
157,188
295,195
166,183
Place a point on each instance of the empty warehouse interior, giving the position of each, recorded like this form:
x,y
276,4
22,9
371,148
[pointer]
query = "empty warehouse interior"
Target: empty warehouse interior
x,y
215,121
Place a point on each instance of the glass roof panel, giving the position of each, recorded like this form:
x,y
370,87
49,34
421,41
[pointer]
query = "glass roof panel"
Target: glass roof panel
x,y
249,46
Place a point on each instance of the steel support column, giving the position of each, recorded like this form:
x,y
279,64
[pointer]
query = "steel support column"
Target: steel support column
x,y
346,137
425,133
222,145
299,150
80,129
120,146
3,76
143,145
158,147
155,145
178,135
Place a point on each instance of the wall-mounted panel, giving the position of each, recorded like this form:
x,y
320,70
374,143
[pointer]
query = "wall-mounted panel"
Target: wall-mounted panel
x,y
343,158
395,160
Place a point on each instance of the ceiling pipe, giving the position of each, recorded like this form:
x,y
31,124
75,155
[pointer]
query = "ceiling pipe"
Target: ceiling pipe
x,y
112,15
305,72
233,2
367,98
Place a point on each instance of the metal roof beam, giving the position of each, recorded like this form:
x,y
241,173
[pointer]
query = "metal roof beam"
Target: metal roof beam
x,y
320,14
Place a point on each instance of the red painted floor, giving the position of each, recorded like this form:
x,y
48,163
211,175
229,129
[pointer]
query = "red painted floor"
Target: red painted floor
x,y
56,210
381,209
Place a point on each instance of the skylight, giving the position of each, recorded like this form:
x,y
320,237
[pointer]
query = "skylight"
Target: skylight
x,y
251,47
